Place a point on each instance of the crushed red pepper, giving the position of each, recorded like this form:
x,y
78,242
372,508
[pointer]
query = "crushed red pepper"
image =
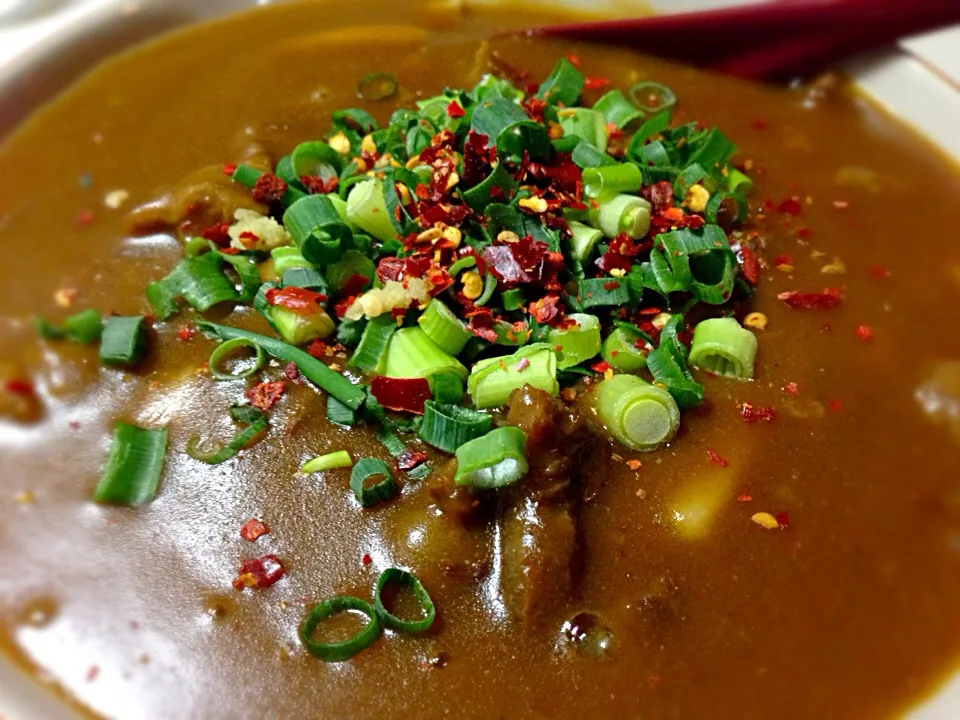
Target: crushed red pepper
x,y
751,414
864,333
268,189
409,459
296,299
261,572
401,394
716,459
266,394
253,529
826,300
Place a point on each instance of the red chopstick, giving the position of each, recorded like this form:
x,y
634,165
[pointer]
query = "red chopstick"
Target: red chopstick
x,y
771,40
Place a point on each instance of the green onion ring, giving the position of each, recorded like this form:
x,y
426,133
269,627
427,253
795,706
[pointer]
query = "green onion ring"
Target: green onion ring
x,y
467,261
489,286
345,649
368,496
388,620
377,86
646,90
225,347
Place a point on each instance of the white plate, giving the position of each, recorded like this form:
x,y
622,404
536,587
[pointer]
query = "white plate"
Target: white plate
x,y
920,83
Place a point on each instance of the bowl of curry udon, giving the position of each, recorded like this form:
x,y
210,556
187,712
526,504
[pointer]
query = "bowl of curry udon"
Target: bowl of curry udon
x,y
363,362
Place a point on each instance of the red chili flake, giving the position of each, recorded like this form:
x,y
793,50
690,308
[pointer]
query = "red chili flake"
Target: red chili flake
x,y
804,232
750,414
782,260
18,386
659,195
744,498
716,460
841,204
595,83
783,520
828,299
314,185
600,367
269,189
477,157
292,373
265,395
261,572
522,364
880,272
355,284
74,424
790,206
634,464
217,234
864,333
749,265
366,559
186,333
296,299
92,672
455,109
401,394
573,59
759,124
791,389
317,348
836,406
409,459
252,529
84,218
229,168
481,324
547,310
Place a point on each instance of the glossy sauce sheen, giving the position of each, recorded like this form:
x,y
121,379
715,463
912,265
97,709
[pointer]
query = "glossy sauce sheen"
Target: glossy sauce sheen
x,y
850,612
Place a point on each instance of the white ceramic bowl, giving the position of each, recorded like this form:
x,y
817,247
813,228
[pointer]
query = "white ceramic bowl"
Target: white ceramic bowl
x,y
46,44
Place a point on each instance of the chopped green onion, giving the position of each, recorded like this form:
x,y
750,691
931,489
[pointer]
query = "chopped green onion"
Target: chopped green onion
x,y
373,343
668,365
340,414
625,178
311,368
584,240
563,85
722,347
413,354
330,461
306,277
217,453
585,155
492,117
316,228
202,283
124,340
84,327
489,287
585,123
246,175
133,467
639,415
738,183
396,576
651,127
579,343
377,86
652,97
479,196
288,257
446,388
696,261
597,292
447,427
344,649
316,159
492,380
617,109
464,263
225,348
493,461
712,149
352,263
444,328
196,246
297,329
382,490
617,213
513,299
367,209
620,351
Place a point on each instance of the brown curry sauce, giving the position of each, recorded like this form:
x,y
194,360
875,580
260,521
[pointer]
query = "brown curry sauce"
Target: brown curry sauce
x,y
851,611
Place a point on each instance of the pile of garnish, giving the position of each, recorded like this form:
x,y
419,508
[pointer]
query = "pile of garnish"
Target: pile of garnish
x,y
486,240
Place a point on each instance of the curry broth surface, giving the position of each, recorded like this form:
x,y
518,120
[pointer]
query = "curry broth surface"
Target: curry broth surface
x,y
850,612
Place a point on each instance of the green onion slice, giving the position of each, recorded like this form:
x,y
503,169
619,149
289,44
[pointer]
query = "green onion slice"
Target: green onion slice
x,y
563,85
340,414
133,467
722,347
620,350
413,354
224,349
578,343
83,327
464,263
493,461
617,109
374,343
619,213
217,453
124,340
314,370
640,415
493,379
344,649
396,576
447,427
625,178
668,365
444,328
377,86
584,240
370,495
330,461
652,97
446,388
